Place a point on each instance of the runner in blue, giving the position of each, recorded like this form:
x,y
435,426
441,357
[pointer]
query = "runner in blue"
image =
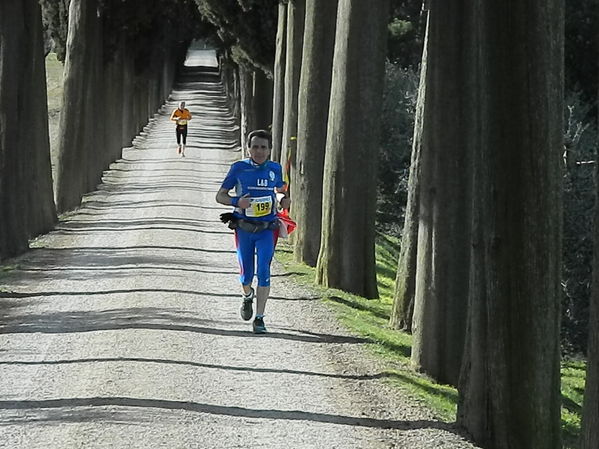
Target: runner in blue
x,y
256,181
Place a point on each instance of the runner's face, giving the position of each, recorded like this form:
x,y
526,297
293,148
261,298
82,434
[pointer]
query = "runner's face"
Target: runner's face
x,y
259,149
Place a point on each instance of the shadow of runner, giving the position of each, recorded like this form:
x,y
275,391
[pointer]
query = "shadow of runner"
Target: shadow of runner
x,y
293,415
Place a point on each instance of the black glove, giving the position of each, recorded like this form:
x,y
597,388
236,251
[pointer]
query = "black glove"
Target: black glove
x,y
226,217
229,218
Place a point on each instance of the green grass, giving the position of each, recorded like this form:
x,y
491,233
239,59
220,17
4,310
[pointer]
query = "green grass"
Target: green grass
x,y
369,318
573,378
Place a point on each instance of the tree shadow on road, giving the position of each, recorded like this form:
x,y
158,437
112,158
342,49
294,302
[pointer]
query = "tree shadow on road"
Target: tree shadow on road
x,y
142,318
58,410
143,360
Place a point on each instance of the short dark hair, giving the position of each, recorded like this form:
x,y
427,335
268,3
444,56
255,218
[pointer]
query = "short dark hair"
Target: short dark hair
x,y
261,133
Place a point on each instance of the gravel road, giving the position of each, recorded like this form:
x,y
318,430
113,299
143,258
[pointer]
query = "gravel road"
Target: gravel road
x,y
120,329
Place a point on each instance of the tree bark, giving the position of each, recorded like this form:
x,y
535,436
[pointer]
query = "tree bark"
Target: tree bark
x,y
72,152
278,107
442,262
590,409
26,198
405,280
262,100
35,140
313,111
346,258
93,113
510,382
293,62
247,110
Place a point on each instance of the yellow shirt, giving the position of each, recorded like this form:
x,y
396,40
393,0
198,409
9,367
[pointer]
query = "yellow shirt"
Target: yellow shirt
x,y
181,116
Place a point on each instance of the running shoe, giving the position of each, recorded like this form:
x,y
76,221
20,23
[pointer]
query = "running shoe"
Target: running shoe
x,y
246,310
258,325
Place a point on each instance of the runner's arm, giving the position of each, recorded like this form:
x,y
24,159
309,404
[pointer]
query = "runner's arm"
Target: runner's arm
x,y
223,197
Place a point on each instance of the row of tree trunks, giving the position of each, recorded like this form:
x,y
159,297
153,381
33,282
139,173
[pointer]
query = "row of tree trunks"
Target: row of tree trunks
x,y
499,244
346,256
313,109
510,385
26,198
348,117
278,107
107,101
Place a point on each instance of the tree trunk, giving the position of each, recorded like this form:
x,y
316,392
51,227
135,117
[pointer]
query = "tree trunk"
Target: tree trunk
x,y
237,95
278,106
590,410
71,180
129,128
346,258
405,280
92,114
313,111
442,263
510,382
295,35
115,94
247,110
262,100
41,212
26,199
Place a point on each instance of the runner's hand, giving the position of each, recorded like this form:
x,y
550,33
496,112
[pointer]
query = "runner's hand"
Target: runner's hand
x,y
244,201
285,203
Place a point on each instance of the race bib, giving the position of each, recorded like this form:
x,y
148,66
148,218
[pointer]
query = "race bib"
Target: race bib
x,y
181,122
259,207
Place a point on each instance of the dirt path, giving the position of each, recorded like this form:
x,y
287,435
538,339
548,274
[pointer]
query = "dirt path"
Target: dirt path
x,y
120,329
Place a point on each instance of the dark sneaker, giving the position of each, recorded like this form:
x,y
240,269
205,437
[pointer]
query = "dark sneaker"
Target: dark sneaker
x,y
258,325
246,310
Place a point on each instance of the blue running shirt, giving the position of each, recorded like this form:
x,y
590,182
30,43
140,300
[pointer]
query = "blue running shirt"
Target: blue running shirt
x,y
260,182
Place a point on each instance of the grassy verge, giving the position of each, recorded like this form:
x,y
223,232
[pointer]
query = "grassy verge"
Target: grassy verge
x,y
573,378
369,318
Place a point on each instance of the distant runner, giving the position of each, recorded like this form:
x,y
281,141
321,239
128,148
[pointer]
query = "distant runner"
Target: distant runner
x,y
181,116
256,181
